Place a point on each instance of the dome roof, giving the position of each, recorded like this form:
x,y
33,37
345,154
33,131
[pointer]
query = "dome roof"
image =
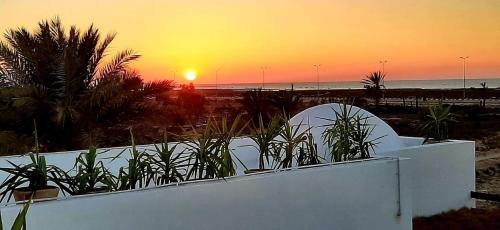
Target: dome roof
x,y
316,118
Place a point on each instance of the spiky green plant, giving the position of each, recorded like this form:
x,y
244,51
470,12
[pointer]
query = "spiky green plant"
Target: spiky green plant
x,y
138,173
348,136
87,175
203,148
168,164
439,119
264,135
36,173
226,131
291,137
308,152
361,138
20,221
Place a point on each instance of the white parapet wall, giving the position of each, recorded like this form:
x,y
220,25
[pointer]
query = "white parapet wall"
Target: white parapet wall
x,y
442,174
367,194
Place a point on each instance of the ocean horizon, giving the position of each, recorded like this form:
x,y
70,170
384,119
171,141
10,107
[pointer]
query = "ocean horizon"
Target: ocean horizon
x,y
389,84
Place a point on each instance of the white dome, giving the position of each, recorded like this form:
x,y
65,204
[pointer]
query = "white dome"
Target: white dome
x,y
314,117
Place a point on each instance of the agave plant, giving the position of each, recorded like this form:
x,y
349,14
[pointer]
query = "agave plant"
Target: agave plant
x,y
168,164
264,136
87,175
439,119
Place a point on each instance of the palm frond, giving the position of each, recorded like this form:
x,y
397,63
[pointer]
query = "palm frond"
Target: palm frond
x,y
119,63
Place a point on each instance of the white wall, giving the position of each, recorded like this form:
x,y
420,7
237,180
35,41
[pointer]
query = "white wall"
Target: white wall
x,y
442,174
355,195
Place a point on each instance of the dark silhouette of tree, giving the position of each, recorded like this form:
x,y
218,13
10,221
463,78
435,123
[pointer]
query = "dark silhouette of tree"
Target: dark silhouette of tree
x,y
286,101
191,102
256,103
374,83
59,79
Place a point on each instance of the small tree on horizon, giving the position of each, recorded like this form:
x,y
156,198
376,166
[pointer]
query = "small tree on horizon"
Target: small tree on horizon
x,y
374,83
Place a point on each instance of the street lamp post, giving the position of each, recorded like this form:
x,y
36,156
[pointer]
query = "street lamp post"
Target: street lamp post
x,y
263,68
317,78
464,59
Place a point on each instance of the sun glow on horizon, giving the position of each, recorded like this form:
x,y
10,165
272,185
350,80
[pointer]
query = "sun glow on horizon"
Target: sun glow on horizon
x,y
190,75
419,39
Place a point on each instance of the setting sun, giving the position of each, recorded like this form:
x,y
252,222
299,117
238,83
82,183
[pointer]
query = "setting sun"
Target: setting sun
x,y
190,75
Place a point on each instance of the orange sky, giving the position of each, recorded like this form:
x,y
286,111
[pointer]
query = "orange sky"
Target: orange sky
x,y
421,39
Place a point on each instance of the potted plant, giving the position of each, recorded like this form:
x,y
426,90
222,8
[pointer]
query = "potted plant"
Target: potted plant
x,y
264,136
36,174
87,176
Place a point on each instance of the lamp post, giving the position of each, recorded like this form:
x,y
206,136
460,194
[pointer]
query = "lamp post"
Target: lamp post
x,y
464,59
317,78
263,68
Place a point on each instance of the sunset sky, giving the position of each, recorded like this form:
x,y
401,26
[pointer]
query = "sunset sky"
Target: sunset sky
x,y
421,39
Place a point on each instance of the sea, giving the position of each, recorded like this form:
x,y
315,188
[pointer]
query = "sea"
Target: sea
x,y
389,84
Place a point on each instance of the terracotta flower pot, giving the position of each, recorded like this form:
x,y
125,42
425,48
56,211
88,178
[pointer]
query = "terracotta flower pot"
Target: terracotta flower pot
x,y
24,193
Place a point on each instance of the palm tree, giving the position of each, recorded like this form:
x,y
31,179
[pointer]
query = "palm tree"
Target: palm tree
x,y
63,80
374,83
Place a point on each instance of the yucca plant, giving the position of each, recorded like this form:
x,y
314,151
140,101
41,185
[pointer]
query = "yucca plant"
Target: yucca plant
x,y
87,175
203,148
264,136
36,174
349,135
139,172
361,136
168,164
308,152
291,137
225,132
20,221
337,135
439,119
